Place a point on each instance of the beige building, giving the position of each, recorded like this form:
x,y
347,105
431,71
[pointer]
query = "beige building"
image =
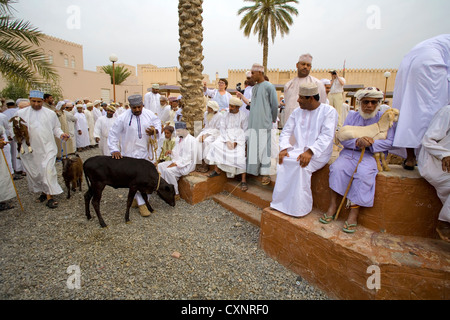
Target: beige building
x,y
77,83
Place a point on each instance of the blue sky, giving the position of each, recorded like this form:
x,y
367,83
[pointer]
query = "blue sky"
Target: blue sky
x,y
365,33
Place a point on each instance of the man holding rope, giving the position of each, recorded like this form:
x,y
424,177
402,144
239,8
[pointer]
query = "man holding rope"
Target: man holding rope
x,y
129,137
362,190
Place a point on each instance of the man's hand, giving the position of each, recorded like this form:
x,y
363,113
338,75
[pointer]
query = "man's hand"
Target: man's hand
x,y
446,164
151,131
80,133
364,142
3,143
97,140
172,165
231,145
116,155
168,152
65,137
283,153
305,158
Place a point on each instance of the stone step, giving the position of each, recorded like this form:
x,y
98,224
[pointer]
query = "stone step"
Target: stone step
x,y
256,194
344,265
243,209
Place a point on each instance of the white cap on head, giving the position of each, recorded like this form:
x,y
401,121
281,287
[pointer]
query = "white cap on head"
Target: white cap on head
x,y
257,68
305,58
308,89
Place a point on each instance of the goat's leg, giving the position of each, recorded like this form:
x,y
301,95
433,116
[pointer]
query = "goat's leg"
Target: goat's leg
x,y
377,159
68,189
19,149
385,163
98,190
27,140
131,195
87,201
80,182
145,197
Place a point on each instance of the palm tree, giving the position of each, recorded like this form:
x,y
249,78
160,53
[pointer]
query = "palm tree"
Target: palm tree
x,y
265,16
20,61
191,60
120,73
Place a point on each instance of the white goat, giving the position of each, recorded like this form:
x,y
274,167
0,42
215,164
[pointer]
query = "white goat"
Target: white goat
x,y
376,131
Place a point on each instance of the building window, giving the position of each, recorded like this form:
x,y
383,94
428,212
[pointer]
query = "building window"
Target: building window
x,y
66,61
73,63
50,57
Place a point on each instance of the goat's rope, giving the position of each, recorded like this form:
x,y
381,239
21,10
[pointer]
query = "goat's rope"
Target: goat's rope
x,y
153,146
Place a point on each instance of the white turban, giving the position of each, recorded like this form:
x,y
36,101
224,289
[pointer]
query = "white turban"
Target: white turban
x,y
235,102
59,105
305,58
257,68
370,92
325,81
213,105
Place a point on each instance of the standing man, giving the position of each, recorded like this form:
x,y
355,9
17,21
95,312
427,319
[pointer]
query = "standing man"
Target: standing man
x,y
434,165
129,137
291,89
12,148
336,95
6,185
314,126
422,87
49,102
263,114
164,111
152,99
43,127
90,117
82,129
102,128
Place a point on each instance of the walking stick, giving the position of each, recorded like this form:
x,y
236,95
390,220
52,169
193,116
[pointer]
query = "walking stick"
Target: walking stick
x,y
12,180
350,184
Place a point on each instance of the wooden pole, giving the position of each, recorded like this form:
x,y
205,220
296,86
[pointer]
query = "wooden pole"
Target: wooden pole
x,y
114,82
12,180
349,185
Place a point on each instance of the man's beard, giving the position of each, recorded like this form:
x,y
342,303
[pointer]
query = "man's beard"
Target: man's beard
x,y
367,116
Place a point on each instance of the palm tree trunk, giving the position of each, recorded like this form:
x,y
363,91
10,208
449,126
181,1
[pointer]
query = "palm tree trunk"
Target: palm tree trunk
x,y
265,53
191,59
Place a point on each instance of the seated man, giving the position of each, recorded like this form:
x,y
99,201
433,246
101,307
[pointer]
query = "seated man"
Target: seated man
x,y
184,156
227,153
212,121
434,165
362,190
313,125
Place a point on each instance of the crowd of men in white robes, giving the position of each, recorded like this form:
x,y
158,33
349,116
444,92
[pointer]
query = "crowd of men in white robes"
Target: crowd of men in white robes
x,y
240,134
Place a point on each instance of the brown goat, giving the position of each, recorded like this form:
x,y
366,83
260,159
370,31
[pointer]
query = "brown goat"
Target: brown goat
x,y
20,135
72,173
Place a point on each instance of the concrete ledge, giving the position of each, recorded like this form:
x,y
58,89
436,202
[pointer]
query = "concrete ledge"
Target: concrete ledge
x,y
405,203
411,267
197,187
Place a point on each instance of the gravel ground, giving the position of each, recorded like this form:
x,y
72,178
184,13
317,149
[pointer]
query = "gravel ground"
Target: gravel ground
x,y
219,257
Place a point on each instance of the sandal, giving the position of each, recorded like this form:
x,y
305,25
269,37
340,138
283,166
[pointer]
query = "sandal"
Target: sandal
x,y
326,219
6,206
407,167
213,174
41,198
244,187
266,181
347,227
52,204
